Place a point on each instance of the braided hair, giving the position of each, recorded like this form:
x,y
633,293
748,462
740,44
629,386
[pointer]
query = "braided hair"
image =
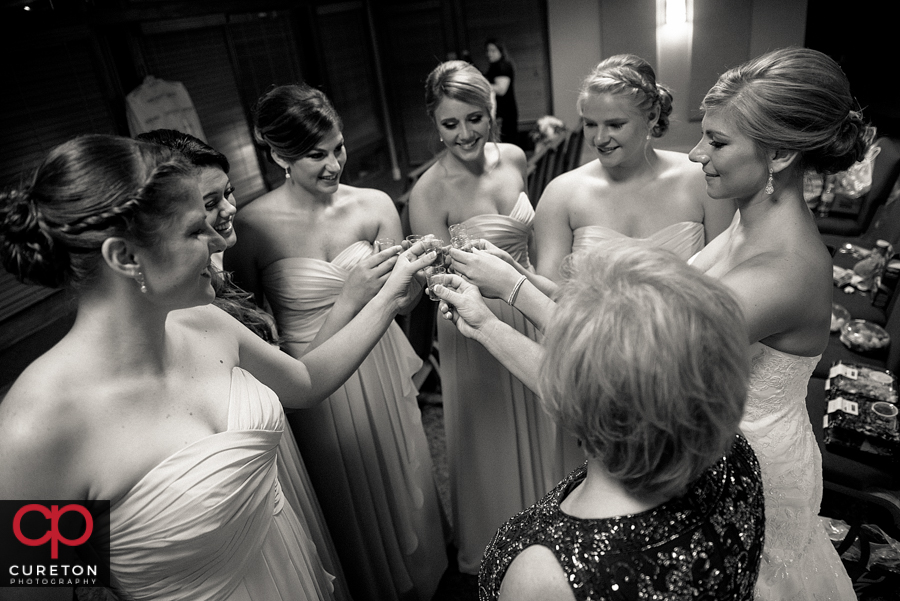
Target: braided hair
x,y
633,76
85,191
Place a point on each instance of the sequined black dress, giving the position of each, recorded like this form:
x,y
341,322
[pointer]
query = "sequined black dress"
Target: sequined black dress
x,y
705,544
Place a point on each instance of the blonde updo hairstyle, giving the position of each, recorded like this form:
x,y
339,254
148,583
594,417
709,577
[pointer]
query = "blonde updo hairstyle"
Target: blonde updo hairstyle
x,y
632,76
85,191
646,363
794,99
460,81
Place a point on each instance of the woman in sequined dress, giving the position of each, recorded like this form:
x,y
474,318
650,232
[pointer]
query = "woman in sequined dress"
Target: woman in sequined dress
x,y
766,123
669,504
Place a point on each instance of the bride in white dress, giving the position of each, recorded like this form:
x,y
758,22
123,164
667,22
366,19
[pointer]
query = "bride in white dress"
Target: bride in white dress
x,y
765,123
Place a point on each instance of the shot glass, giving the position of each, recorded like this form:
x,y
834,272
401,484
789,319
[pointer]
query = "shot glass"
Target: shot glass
x,y
437,245
459,237
886,415
382,243
430,272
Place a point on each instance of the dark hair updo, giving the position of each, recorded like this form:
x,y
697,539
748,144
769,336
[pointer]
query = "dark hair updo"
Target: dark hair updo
x,y
795,99
85,191
633,76
290,120
195,150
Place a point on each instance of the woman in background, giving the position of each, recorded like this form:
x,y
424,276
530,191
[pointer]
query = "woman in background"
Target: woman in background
x,y
669,504
307,248
218,199
632,191
502,76
146,401
765,124
496,429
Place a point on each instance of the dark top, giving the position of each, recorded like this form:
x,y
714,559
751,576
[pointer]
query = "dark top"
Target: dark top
x,y
507,110
705,544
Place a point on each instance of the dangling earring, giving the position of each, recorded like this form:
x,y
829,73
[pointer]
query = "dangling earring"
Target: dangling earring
x,y
287,173
770,186
141,282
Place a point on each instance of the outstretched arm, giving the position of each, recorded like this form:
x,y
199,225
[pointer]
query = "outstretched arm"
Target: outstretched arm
x,y
552,233
497,278
307,382
463,305
363,283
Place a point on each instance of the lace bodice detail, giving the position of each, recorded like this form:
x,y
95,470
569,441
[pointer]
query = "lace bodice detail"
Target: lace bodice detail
x,y
777,385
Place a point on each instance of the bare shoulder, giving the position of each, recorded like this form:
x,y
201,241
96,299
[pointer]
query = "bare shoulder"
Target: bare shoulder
x,y
209,324
514,155
677,166
258,209
535,575
369,198
42,420
429,188
567,187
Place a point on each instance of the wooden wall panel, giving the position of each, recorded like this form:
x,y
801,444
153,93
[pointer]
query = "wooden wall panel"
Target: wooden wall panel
x,y
521,25
54,91
199,59
412,40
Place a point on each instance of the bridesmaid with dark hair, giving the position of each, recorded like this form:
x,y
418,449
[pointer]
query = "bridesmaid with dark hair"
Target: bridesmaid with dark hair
x,y
218,200
156,400
306,247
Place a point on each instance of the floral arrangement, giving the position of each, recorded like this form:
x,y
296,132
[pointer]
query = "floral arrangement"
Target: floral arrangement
x,y
547,129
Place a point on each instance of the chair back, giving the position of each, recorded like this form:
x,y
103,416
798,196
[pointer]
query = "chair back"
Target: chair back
x,y
552,160
884,174
885,171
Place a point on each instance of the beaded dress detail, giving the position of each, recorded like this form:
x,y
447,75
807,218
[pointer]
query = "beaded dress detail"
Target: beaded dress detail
x,y
704,544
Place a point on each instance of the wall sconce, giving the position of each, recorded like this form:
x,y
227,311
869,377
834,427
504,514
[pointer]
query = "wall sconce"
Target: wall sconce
x,y
676,12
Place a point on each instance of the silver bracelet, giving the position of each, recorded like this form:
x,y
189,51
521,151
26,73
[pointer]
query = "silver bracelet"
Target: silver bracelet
x,y
515,291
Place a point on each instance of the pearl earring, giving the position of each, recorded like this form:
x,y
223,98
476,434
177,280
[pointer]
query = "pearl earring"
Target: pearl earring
x,y
770,186
139,277
287,173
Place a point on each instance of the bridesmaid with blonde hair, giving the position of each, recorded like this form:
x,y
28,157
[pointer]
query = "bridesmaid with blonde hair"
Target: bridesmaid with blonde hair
x,y
503,451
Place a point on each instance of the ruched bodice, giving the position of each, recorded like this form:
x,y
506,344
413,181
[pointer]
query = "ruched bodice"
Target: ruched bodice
x,y
684,238
364,447
507,232
207,521
302,291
